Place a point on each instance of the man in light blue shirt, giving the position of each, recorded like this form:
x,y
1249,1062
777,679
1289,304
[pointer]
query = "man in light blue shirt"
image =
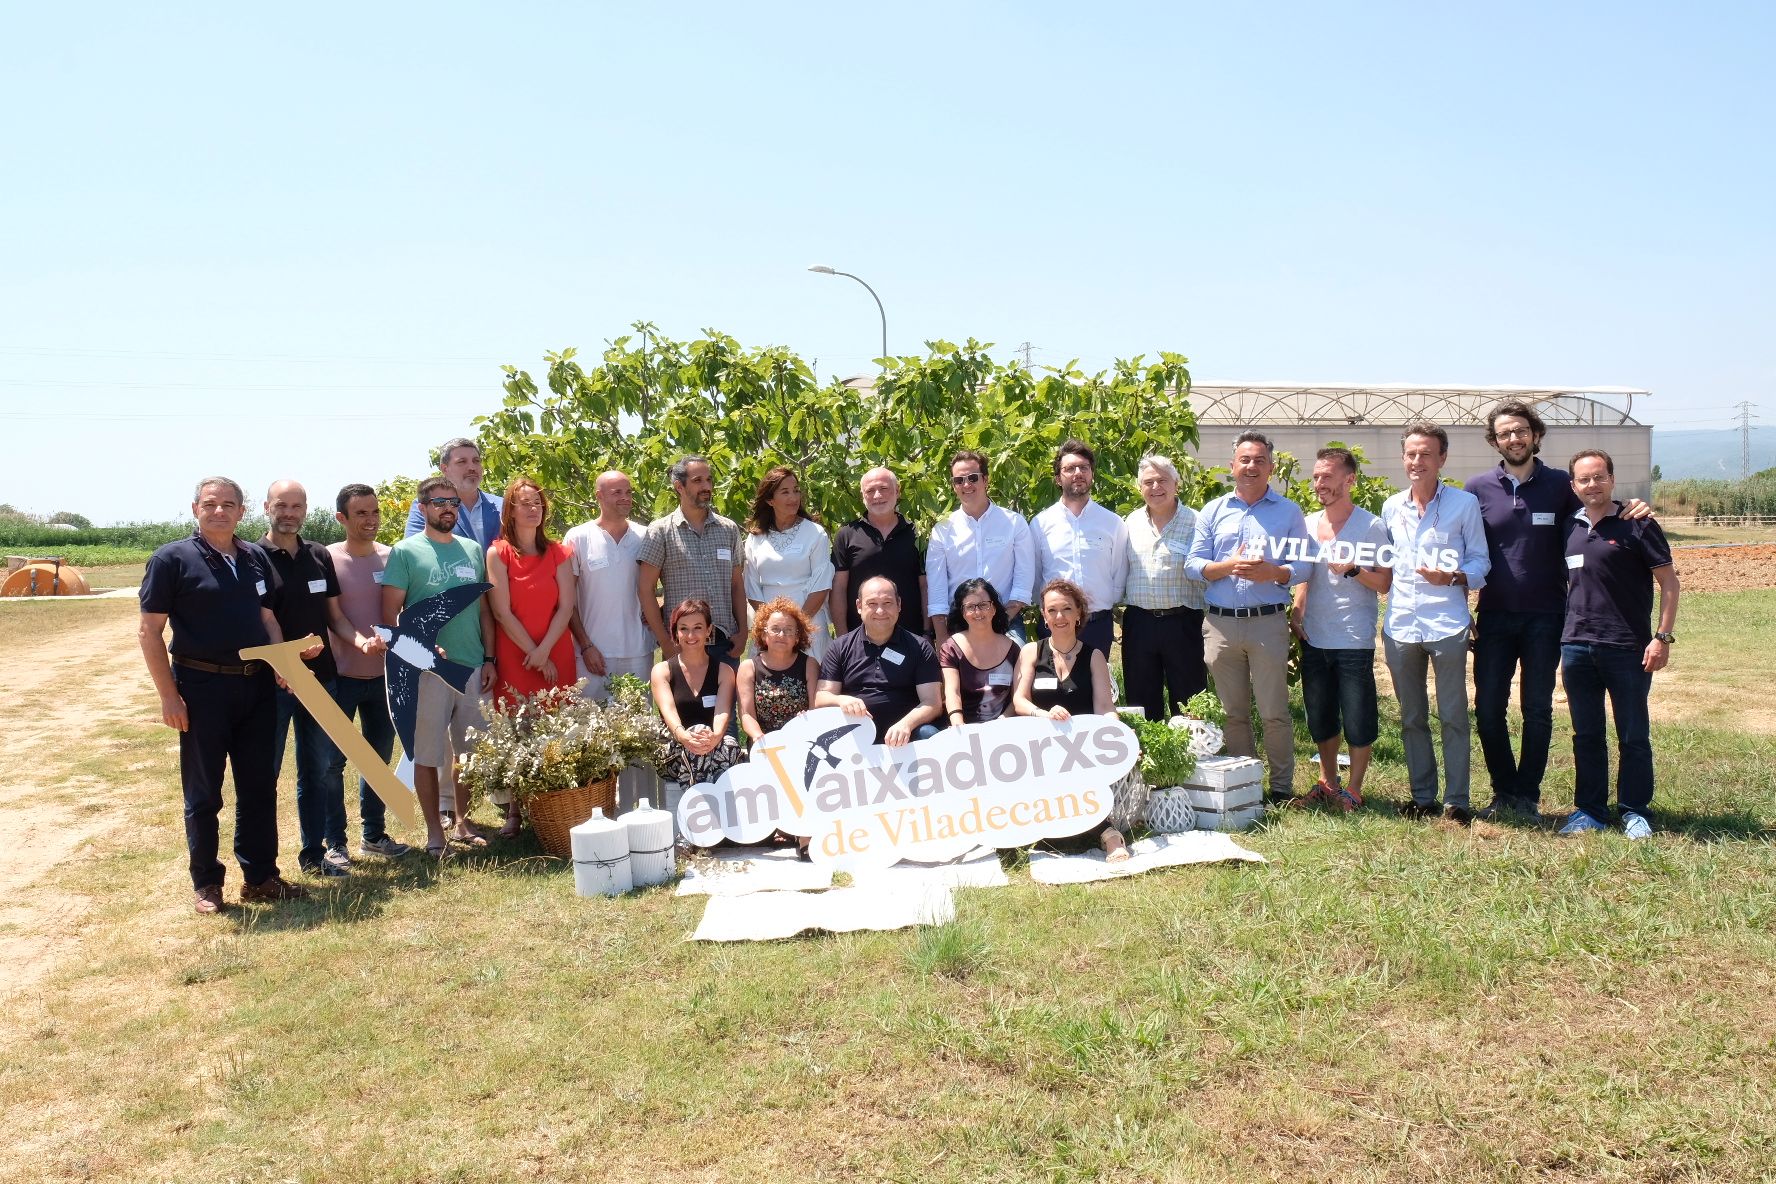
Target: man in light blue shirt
x,y
1439,556
1241,551
479,520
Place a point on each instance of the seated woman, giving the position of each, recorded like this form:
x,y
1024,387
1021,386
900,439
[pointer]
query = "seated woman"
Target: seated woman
x,y
978,660
533,598
1059,677
695,697
777,683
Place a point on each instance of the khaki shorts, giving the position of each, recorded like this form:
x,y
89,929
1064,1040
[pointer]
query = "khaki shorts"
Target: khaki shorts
x,y
442,720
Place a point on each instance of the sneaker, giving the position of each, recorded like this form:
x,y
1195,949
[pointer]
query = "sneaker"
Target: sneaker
x,y
1345,799
385,846
275,888
1418,810
1581,823
324,869
1280,799
337,856
1458,814
1319,795
207,901
1503,809
1635,826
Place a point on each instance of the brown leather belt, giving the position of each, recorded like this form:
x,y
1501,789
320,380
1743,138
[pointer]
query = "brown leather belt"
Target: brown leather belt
x,y
216,667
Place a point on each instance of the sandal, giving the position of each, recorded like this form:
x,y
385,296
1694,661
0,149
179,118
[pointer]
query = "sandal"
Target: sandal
x,y
469,840
441,852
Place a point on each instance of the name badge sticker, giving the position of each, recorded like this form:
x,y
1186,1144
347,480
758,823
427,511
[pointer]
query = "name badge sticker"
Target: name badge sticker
x,y
464,572
709,700
1046,682
1541,520
377,576
725,554
1575,561
894,656
597,562
998,678
259,587
793,550
317,585
1178,547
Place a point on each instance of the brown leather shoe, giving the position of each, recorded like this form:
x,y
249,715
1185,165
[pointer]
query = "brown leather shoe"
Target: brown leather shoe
x,y
275,888
207,901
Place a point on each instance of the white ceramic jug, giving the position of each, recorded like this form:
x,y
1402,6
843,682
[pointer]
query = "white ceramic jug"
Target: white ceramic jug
x,y
601,856
651,857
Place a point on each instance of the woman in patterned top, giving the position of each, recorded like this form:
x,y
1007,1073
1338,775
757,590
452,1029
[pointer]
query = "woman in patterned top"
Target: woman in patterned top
x,y
777,683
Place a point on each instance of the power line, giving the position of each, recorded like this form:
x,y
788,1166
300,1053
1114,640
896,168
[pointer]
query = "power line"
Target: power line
x,y
1745,418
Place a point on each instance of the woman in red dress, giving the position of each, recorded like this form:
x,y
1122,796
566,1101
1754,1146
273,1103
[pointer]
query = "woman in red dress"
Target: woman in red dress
x,y
533,599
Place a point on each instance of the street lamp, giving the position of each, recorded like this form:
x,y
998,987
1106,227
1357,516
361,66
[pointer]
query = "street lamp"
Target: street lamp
x,y
822,269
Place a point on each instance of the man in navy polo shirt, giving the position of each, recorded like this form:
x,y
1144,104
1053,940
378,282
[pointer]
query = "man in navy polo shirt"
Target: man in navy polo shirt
x,y
1526,506
218,592
1609,647
882,670
309,605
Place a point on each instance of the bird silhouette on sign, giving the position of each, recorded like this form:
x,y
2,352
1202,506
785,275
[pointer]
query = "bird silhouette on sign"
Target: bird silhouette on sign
x,y
413,650
821,751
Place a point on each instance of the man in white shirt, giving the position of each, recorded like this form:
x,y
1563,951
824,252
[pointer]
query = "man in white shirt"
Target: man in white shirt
x,y
1439,556
979,540
607,626
1079,540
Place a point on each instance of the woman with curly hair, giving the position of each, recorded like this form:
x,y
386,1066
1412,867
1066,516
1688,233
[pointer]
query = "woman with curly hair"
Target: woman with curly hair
x,y
788,554
777,683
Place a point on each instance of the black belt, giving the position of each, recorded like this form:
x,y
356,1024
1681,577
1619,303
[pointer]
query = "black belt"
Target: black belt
x,y
253,667
1174,611
1263,610
1099,615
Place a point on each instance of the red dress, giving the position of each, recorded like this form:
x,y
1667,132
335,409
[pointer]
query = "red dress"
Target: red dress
x,y
530,582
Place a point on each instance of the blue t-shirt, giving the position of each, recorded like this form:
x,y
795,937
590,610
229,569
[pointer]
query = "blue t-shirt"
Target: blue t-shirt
x,y
212,604
1610,580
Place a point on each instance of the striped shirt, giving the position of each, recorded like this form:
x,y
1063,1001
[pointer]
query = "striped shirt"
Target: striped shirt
x,y
1156,576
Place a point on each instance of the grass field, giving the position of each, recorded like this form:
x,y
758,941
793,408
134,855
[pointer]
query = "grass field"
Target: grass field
x,y
1383,1001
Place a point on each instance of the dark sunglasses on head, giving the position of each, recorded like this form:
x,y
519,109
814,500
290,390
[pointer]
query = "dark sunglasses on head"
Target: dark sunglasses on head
x,y
443,501
966,479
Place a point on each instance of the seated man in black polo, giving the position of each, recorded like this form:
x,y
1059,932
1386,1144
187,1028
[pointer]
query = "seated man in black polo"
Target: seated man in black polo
x,y
218,593
883,671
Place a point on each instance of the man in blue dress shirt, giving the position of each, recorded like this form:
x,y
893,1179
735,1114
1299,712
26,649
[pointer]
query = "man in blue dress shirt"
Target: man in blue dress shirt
x,y
1238,551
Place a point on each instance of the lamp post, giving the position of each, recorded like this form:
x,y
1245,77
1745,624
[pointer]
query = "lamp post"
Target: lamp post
x,y
822,269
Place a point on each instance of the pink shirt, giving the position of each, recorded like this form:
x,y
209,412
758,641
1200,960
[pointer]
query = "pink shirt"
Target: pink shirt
x,y
360,599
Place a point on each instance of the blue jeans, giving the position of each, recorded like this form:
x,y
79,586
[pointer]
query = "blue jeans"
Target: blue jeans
x,y
1589,673
320,795
1338,688
367,698
1505,642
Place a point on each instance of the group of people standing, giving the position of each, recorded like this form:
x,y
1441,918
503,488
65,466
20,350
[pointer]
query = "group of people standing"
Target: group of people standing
x,y
919,638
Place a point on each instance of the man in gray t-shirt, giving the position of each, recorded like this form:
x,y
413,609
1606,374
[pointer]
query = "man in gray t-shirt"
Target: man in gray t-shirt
x,y
1334,614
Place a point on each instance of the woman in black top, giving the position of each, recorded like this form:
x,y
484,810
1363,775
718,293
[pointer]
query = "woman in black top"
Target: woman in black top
x,y
1060,676
695,697
978,661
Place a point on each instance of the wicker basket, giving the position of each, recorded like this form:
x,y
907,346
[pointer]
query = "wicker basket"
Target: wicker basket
x,y
555,813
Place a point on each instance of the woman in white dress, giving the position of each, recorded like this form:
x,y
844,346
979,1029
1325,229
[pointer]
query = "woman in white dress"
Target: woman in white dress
x,y
788,553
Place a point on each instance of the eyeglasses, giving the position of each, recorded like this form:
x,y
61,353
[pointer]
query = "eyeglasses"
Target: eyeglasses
x,y
442,501
1513,434
966,479
975,609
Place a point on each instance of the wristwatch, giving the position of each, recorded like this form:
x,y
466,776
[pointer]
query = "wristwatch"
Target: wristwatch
x,y
1667,638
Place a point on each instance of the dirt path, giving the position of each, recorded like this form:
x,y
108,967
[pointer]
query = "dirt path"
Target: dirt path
x,y
56,709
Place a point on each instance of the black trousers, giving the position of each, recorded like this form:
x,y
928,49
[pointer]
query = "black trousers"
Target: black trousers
x,y
232,721
1162,656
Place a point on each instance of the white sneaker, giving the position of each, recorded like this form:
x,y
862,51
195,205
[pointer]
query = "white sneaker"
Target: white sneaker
x,y
1636,826
387,847
337,857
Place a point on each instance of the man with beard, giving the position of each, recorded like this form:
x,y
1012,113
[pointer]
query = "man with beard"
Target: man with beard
x,y
459,462
693,553
1079,540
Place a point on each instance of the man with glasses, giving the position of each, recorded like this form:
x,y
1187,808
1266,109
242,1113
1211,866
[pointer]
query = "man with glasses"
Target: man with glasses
x,y
478,518
1079,540
1439,556
1162,617
1526,506
1238,548
979,540
881,543
421,566
883,671
218,593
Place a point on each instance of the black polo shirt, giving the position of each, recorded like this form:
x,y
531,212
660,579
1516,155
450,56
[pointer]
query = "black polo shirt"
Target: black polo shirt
x,y
309,580
212,606
1610,580
888,687
861,549
1525,536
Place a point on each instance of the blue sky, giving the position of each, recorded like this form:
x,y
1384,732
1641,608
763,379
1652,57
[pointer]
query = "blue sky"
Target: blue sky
x,y
302,241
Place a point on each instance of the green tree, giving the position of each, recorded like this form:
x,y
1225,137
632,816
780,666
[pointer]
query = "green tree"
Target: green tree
x,y
394,498
69,518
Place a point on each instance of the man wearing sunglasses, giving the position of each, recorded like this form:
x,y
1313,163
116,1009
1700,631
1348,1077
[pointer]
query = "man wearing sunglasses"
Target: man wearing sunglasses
x,y
478,518
979,540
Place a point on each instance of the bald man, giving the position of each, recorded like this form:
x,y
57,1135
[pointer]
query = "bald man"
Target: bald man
x,y
881,543
607,626
310,605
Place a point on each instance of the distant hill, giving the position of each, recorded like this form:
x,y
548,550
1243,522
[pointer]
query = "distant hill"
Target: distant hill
x,y
1710,453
